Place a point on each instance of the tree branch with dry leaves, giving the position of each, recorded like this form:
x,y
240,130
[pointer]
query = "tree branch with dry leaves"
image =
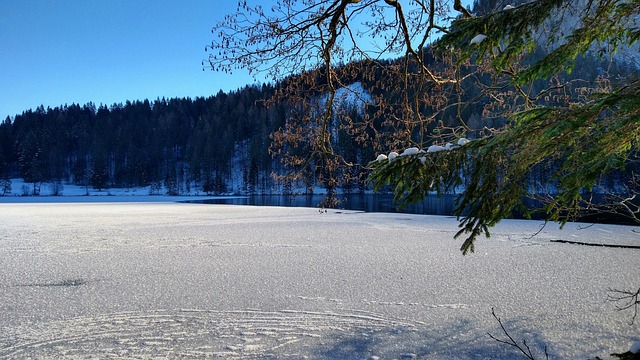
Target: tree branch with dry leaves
x,y
305,45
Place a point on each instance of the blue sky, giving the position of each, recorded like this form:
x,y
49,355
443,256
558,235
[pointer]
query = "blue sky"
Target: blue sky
x,y
107,51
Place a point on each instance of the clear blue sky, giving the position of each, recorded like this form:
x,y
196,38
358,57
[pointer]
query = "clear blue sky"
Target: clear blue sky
x,y
107,51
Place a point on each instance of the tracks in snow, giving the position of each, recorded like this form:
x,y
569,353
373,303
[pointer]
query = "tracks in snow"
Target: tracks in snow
x,y
192,333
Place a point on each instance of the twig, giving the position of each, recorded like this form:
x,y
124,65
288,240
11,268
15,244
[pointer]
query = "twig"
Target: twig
x,y
629,300
524,348
537,232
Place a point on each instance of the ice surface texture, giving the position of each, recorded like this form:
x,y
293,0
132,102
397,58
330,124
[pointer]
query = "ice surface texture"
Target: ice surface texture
x,y
187,280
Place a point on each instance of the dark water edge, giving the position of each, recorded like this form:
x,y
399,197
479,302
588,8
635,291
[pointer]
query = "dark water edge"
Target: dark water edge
x,y
431,205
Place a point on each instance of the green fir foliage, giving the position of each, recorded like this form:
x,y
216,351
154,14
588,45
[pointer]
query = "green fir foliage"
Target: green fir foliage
x,y
583,140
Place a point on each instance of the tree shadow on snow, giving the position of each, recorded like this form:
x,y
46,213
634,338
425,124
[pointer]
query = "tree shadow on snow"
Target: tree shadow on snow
x,y
457,339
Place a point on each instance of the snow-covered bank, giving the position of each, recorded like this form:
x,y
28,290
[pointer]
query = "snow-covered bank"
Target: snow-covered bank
x,y
105,199
187,280
67,193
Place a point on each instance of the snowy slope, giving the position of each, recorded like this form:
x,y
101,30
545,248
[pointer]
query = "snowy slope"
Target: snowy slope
x,y
352,96
570,19
68,193
203,281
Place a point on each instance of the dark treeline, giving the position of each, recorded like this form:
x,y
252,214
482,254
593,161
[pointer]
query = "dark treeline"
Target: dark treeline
x,y
213,145
178,143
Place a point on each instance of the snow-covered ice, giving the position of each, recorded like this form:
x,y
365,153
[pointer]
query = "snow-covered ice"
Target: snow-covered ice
x,y
172,280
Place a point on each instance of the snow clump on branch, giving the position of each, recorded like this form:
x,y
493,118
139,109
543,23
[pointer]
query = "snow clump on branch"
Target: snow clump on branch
x,y
463,141
477,39
410,151
415,151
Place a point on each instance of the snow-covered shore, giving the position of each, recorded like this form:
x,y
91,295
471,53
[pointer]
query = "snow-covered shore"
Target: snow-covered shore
x,y
170,280
21,192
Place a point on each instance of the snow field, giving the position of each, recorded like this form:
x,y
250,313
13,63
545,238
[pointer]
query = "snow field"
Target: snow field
x,y
140,280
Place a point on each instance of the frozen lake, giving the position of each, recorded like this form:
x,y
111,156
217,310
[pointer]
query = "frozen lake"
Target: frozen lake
x,y
169,280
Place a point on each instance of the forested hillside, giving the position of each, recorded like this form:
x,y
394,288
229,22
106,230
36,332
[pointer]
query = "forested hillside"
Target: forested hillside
x,y
223,143
220,144
215,145
177,142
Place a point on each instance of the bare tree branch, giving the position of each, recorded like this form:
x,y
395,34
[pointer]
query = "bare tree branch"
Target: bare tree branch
x,y
524,348
625,300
